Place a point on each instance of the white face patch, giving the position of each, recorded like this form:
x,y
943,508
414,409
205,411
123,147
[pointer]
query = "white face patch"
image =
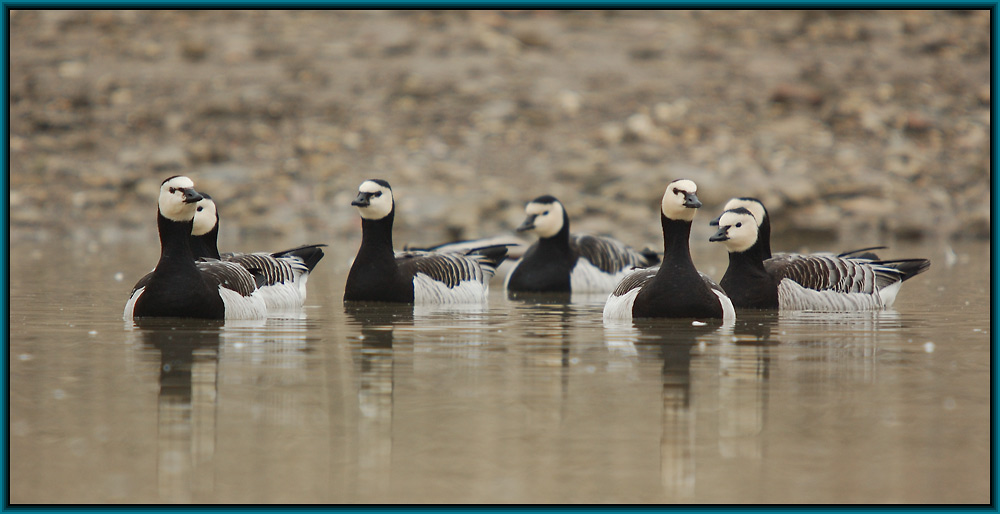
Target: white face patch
x,y
755,208
548,218
205,217
674,199
379,200
741,228
171,201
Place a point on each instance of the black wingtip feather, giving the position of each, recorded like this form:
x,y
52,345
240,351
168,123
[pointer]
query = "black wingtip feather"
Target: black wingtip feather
x,y
909,268
310,254
495,254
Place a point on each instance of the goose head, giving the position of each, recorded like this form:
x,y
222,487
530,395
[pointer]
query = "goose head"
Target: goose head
x,y
753,205
374,200
206,216
680,201
178,199
546,217
737,230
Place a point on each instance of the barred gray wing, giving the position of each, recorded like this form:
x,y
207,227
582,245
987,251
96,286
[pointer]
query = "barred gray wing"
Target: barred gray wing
x,y
229,275
608,255
635,279
447,268
832,273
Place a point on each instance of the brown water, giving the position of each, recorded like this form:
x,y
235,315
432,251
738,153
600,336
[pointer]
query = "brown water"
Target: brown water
x,y
521,401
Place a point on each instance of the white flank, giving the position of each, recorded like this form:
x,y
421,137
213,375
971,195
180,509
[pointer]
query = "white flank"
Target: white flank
x,y
728,311
620,307
888,293
287,296
243,307
792,296
130,304
587,278
427,290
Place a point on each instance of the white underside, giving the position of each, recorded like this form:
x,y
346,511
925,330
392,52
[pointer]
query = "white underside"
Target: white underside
x,y
792,296
426,290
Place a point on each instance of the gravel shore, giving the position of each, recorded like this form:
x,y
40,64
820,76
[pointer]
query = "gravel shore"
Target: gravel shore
x,y
857,126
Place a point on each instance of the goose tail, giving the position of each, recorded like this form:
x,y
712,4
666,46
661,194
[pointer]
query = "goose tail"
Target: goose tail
x,y
309,254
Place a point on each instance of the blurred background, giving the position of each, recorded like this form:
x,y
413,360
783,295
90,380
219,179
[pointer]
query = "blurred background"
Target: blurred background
x,y
849,125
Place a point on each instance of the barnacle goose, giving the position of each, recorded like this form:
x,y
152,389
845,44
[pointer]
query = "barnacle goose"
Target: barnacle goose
x,y
563,262
181,287
281,276
756,207
379,274
820,282
674,289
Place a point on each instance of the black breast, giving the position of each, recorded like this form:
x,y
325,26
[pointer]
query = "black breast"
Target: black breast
x,y
543,269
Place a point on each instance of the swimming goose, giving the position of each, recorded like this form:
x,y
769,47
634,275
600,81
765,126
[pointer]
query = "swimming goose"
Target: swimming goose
x,y
674,289
379,274
564,262
756,207
181,287
281,276
822,282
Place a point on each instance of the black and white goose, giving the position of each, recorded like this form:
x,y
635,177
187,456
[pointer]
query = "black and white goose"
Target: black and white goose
x,y
820,282
381,275
674,289
756,207
181,287
563,262
281,276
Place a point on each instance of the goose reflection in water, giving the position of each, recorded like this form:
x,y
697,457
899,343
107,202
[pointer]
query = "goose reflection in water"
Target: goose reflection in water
x,y
680,346
372,350
187,352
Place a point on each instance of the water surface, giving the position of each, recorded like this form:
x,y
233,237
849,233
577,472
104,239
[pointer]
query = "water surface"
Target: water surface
x,y
525,400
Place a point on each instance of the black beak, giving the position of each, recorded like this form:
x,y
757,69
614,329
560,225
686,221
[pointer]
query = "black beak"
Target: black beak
x,y
721,235
691,201
715,222
529,223
192,196
363,200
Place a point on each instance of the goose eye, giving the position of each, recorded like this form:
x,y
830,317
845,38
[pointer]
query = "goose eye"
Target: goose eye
x,y
173,190
377,194
676,191
546,213
738,225
200,209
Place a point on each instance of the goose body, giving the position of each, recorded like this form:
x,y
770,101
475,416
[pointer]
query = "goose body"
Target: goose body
x,y
822,282
381,275
563,262
281,276
675,288
181,287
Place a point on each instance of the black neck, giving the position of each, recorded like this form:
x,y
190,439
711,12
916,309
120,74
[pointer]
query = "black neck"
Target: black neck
x,y
376,240
764,238
750,259
676,243
175,247
207,244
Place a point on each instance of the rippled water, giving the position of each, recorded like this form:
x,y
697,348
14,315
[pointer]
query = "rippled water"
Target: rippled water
x,y
526,400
